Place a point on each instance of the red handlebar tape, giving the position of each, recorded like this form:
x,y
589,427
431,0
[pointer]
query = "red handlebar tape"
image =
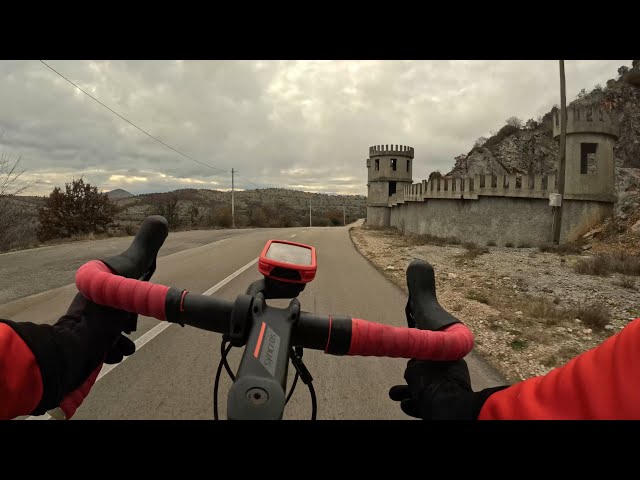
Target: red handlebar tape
x,y
374,339
96,282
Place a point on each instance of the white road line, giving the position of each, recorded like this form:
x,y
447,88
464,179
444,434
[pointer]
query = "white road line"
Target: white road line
x,y
217,286
292,235
158,329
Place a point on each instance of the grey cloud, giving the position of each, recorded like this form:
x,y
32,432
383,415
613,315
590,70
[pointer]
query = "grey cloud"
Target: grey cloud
x,y
304,124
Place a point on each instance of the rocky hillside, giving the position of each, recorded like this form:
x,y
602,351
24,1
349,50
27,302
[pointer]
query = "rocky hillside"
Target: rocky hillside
x,y
528,148
271,207
193,208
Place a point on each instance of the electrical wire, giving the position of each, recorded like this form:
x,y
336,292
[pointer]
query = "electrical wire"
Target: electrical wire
x,y
169,146
133,124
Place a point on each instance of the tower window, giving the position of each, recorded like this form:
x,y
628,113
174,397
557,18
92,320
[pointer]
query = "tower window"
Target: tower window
x,y
588,158
394,164
408,164
377,164
392,188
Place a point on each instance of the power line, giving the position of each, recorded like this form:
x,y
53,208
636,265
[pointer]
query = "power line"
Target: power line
x,y
149,135
131,123
252,183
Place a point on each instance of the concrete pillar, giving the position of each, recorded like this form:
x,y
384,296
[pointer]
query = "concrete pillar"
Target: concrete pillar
x,y
488,179
476,183
512,182
537,183
525,183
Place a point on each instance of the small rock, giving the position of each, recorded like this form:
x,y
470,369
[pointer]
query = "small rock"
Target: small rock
x,y
593,233
518,312
586,247
636,227
506,278
587,331
569,330
586,338
562,329
453,275
390,267
577,320
608,327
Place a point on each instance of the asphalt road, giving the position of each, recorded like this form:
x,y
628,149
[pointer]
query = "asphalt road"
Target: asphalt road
x,y
171,376
27,272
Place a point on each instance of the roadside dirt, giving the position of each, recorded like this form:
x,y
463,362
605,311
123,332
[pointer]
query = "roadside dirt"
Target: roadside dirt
x,y
523,305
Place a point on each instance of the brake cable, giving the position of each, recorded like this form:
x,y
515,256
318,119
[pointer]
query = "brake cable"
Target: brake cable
x,y
223,360
296,359
301,369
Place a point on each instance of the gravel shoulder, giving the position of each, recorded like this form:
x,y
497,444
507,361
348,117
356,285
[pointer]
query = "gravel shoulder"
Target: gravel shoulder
x,y
522,305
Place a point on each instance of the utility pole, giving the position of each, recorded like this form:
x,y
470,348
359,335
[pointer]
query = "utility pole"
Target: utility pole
x,y
309,212
344,215
233,209
557,221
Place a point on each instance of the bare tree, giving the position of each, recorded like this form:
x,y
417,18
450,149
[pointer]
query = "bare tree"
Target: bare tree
x,y
12,224
480,142
531,124
167,206
514,122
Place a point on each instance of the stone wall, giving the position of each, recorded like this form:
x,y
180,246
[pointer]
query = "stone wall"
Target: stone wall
x,y
499,220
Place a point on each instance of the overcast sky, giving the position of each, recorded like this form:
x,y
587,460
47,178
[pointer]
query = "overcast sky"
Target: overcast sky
x,y
295,124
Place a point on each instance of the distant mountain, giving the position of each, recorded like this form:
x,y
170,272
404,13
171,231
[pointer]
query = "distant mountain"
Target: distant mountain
x,y
118,194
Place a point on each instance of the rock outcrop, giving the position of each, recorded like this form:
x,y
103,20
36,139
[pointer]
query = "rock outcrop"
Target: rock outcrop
x,y
531,149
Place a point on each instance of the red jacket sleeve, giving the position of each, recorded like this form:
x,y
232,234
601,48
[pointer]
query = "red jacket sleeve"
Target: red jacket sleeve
x,y
20,379
600,384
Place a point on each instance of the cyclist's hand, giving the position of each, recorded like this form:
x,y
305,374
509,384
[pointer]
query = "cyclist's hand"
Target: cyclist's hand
x,y
101,329
70,353
439,391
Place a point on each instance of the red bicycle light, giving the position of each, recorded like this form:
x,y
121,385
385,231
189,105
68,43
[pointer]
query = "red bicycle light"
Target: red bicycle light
x,y
288,262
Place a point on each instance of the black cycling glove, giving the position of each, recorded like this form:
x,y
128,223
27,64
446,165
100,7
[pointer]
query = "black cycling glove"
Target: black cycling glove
x,y
69,351
439,390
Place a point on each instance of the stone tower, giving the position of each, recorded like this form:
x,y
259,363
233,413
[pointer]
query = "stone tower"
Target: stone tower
x,y
590,163
389,169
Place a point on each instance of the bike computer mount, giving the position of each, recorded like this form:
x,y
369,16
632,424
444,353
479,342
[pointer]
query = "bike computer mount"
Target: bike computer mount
x,y
258,391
